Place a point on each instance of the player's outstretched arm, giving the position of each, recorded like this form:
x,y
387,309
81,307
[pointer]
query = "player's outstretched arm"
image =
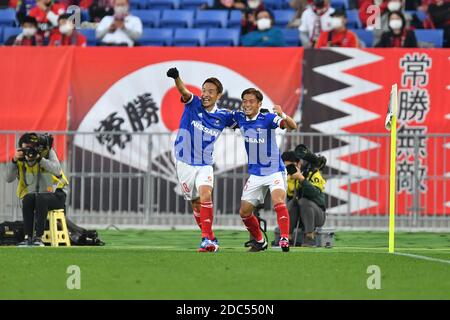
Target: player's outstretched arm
x,y
288,122
175,75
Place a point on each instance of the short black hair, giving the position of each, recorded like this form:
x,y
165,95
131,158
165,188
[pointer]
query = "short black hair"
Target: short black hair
x,y
65,16
215,82
29,19
289,156
253,91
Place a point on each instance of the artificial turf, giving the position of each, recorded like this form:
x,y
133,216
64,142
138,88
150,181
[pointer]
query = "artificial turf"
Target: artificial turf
x,y
165,265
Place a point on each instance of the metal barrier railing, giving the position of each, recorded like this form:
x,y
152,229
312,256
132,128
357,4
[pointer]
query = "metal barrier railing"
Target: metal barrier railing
x,y
135,183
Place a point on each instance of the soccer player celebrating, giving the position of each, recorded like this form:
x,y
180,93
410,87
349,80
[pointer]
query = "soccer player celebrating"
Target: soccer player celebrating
x,y
201,124
265,166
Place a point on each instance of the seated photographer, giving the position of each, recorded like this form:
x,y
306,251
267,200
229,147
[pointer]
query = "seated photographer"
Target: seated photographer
x,y
42,185
309,201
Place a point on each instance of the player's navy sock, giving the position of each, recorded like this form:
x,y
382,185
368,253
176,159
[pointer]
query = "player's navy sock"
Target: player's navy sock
x,y
206,214
252,225
283,219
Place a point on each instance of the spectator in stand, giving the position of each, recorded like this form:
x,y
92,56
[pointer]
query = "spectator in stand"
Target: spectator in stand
x,y
299,6
314,20
339,36
46,14
399,35
67,35
122,29
99,9
267,35
439,13
22,8
29,35
227,5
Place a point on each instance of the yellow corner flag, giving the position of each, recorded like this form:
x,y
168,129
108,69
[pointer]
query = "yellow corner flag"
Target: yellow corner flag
x,y
391,125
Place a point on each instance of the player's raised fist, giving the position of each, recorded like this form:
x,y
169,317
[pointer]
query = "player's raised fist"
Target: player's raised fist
x,y
173,73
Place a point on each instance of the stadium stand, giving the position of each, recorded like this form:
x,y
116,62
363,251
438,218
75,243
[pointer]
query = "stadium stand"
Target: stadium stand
x,y
282,17
8,17
365,36
149,18
223,37
189,37
156,37
292,37
211,19
177,19
427,37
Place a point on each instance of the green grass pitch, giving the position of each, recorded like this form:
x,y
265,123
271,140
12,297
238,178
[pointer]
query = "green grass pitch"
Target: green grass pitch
x,y
165,265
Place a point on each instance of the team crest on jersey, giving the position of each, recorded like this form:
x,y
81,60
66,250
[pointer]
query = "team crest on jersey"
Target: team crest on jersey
x,y
217,122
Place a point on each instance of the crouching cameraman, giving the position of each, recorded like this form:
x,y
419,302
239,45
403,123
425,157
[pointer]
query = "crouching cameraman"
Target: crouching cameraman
x,y
309,201
42,185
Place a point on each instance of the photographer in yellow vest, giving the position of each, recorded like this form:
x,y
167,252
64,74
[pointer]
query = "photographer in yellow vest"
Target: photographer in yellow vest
x,y
42,185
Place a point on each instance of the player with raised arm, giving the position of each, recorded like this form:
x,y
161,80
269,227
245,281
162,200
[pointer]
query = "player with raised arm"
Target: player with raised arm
x,y
265,167
201,124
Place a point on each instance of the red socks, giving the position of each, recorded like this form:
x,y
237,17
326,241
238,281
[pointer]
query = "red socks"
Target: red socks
x,y
283,219
252,225
206,219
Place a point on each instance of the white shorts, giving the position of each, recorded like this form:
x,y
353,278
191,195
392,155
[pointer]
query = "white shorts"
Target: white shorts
x,y
191,178
256,187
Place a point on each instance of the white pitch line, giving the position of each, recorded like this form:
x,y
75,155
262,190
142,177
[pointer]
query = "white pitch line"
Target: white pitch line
x,y
422,257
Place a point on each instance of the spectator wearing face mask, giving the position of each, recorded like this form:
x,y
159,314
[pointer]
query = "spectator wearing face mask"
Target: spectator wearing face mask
x,y
314,20
267,35
227,5
339,36
29,35
121,29
67,35
398,36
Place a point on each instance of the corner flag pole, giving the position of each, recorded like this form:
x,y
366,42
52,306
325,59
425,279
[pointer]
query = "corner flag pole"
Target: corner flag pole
x,y
391,125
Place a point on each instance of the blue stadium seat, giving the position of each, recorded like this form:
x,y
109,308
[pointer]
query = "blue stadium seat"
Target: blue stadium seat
x,y
1,35
365,36
156,37
234,20
282,17
195,4
189,37
419,13
149,18
427,37
138,4
8,17
177,19
10,31
90,36
273,4
211,19
353,21
162,4
340,4
292,37
218,37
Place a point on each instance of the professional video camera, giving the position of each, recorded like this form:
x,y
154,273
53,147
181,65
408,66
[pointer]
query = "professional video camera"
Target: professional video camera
x,y
40,144
314,161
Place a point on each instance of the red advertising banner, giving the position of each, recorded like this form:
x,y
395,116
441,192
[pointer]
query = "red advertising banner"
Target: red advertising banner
x,y
34,89
347,92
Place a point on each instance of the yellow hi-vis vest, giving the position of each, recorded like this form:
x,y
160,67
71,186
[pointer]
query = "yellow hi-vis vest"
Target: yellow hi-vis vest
x,y
28,180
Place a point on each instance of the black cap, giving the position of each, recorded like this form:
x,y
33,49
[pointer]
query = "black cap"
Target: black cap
x,y
339,13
